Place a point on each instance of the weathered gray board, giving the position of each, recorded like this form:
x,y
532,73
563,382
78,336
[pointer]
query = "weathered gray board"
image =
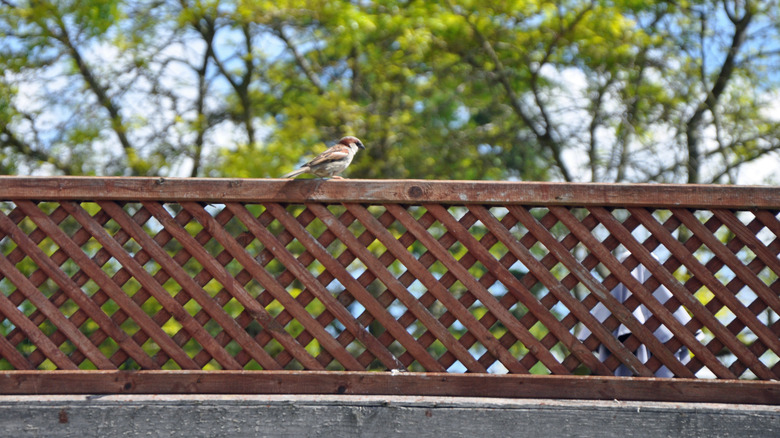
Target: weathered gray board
x,y
344,416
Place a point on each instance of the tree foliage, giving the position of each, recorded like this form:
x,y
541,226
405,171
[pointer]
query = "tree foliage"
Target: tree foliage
x,y
574,90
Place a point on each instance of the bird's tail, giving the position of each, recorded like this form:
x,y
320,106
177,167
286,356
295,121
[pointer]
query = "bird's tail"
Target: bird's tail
x,y
295,173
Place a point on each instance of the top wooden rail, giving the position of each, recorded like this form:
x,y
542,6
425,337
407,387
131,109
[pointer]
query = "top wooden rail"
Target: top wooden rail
x,y
510,289
396,191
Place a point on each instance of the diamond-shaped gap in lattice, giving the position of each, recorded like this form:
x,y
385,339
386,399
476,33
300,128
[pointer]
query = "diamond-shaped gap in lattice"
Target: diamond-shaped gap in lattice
x,y
356,267
47,207
457,211
234,268
355,308
274,307
767,237
6,245
109,307
48,287
236,228
214,209
192,347
456,367
356,349
769,277
170,365
357,228
395,228
437,269
477,350
498,250
111,267
192,307
252,365
148,303
192,267
747,297
151,225
233,348
436,308
770,359
233,308
254,209
110,348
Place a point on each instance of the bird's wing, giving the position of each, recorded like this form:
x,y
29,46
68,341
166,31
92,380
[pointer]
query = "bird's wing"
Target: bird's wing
x,y
335,153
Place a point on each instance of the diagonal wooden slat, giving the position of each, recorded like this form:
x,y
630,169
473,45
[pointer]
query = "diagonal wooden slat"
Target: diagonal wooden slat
x,y
724,295
549,280
201,296
359,331
509,279
57,298
141,296
271,285
420,311
617,309
515,286
91,269
483,295
39,300
378,269
749,239
32,331
305,297
143,277
386,298
682,294
644,294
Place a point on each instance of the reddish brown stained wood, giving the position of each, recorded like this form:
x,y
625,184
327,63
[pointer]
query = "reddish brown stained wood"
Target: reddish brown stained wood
x,y
143,277
603,294
353,286
237,290
198,293
386,383
379,270
683,295
106,324
454,306
277,290
403,295
41,302
726,296
402,191
9,351
528,299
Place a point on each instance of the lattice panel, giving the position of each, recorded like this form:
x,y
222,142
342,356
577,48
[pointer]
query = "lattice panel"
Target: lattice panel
x,y
387,286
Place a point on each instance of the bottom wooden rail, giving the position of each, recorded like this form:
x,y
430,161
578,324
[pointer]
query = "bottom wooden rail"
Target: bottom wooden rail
x,y
389,383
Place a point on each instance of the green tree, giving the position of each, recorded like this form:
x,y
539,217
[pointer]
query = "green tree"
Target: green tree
x,y
575,90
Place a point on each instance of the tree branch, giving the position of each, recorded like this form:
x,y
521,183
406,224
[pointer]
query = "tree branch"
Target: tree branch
x,y
693,127
543,136
101,93
300,60
8,139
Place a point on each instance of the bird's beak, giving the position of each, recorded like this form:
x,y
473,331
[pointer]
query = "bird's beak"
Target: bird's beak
x,y
360,145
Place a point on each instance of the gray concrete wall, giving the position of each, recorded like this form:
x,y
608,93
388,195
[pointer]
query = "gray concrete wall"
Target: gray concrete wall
x,y
347,416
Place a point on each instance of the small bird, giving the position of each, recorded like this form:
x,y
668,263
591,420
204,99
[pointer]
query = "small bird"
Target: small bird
x,y
331,162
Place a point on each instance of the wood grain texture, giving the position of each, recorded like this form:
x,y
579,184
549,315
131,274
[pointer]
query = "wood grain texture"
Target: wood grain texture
x,y
400,191
351,276
387,383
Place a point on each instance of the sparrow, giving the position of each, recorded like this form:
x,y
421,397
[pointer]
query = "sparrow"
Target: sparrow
x,y
331,162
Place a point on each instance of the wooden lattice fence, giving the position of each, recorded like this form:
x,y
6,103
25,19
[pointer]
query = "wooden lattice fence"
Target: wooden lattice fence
x,y
319,282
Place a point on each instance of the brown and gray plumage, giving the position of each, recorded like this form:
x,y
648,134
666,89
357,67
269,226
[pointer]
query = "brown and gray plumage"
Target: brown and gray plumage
x,y
331,162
